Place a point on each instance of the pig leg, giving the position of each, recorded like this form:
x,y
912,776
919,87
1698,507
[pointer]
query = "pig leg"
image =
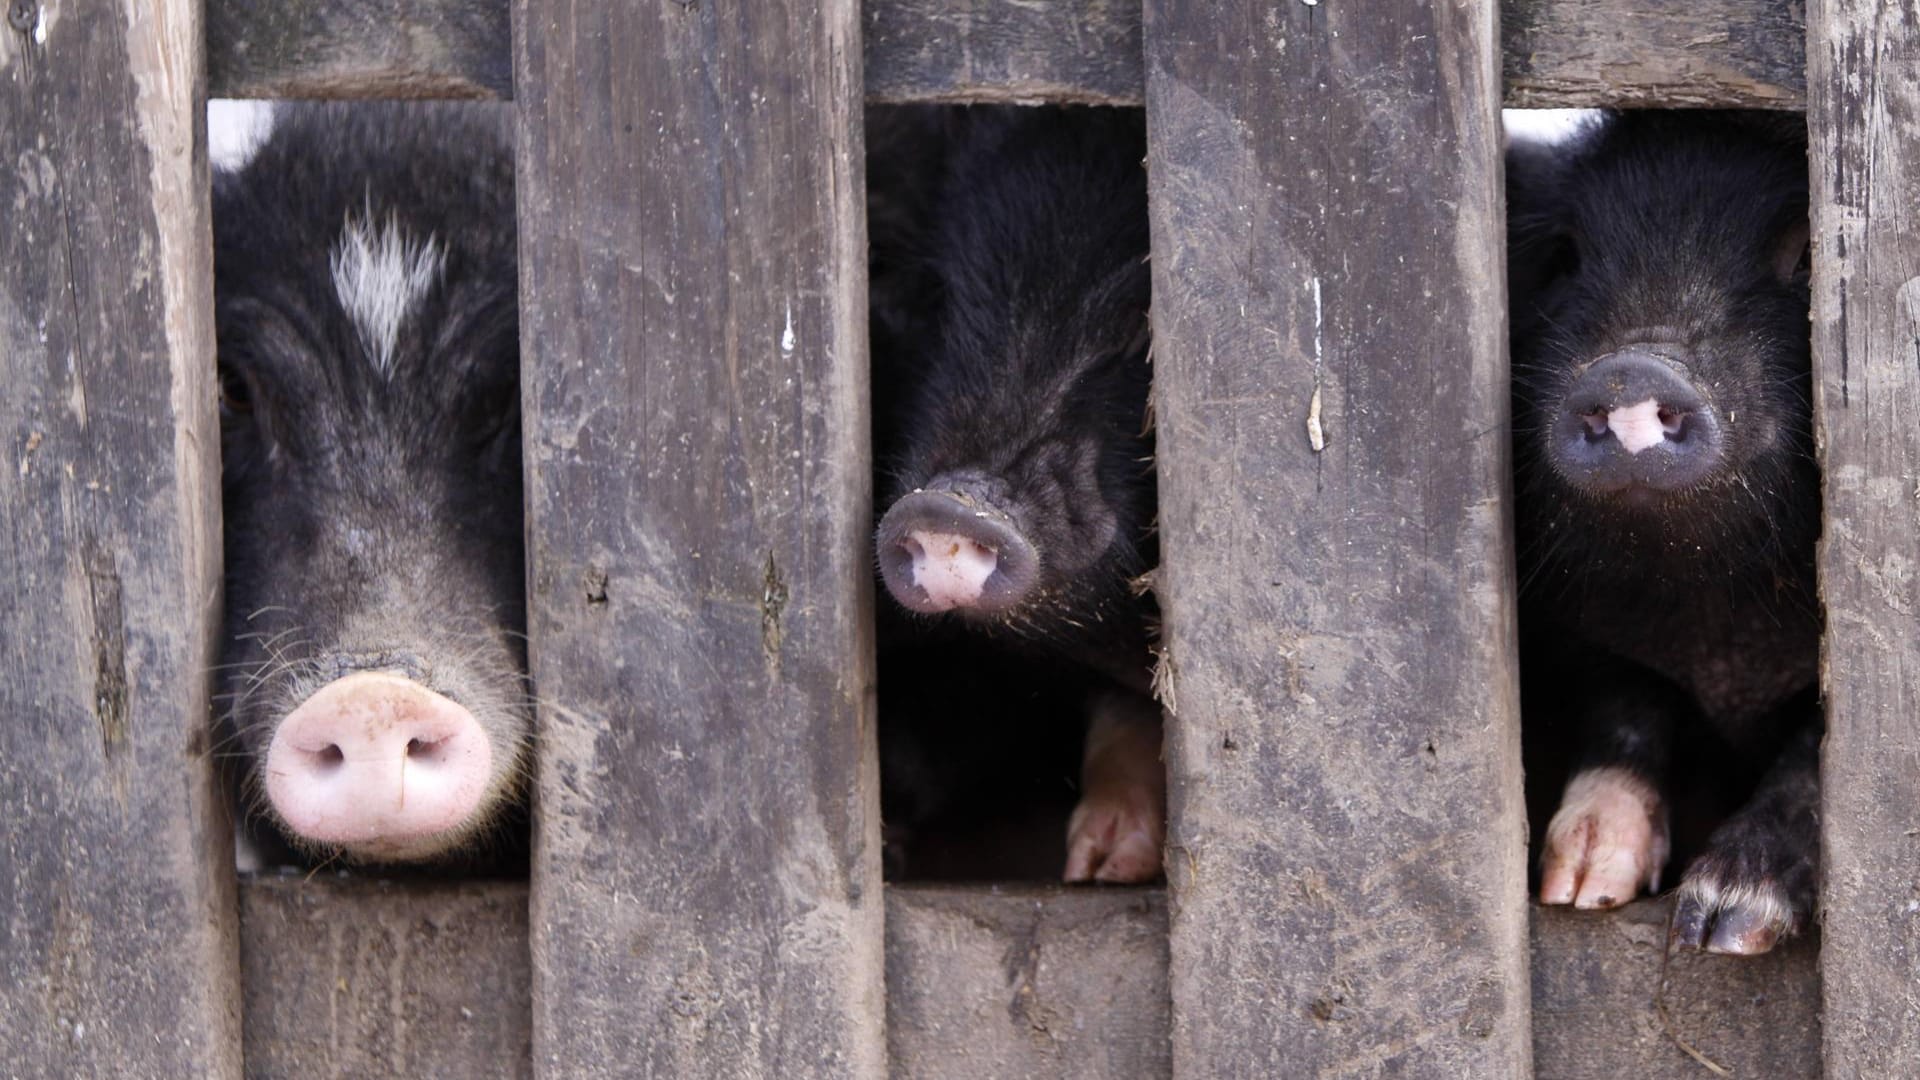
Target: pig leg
x,y
1609,839
1755,884
1117,831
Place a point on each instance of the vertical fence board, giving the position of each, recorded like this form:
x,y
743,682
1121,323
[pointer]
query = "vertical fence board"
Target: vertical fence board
x,y
1863,102
1346,852
116,864
706,895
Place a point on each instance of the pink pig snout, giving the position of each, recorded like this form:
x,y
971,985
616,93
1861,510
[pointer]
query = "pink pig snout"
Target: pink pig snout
x,y
377,763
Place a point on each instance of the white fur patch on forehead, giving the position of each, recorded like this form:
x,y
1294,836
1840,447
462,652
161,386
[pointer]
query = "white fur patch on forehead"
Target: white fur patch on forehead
x,y
380,277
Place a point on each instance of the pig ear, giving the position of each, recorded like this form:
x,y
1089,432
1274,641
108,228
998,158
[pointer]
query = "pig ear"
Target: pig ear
x,y
1793,253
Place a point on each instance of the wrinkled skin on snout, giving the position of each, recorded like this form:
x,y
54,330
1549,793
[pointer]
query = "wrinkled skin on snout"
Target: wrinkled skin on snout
x,y
1015,453
1668,505
376,708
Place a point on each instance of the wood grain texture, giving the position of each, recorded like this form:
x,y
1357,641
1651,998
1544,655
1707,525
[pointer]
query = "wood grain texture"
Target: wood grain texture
x,y
1653,54
1026,981
349,977
1559,53
1609,1003
1863,103
116,860
706,881
362,49
359,977
1084,51
1346,830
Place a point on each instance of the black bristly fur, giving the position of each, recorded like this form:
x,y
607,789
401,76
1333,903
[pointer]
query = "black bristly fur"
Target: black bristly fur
x,y
1035,373
1010,293
371,520
1669,220
1642,617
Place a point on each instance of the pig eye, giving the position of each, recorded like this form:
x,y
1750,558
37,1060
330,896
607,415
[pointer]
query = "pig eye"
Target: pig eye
x,y
236,393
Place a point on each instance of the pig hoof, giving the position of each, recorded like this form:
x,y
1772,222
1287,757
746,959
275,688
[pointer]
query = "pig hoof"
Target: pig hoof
x,y
1607,840
1115,838
1722,910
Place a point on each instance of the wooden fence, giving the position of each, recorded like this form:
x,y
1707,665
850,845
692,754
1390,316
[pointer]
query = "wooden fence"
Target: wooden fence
x,y
1346,864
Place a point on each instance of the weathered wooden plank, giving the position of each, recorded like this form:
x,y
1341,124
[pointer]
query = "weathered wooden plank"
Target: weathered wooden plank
x,y
693,257
1862,103
1609,1003
1559,53
1630,53
1346,825
364,49
356,977
367,978
361,977
1087,51
1026,981
116,861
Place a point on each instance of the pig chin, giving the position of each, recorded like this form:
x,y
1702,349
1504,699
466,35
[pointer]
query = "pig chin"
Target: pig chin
x,y
1640,498
408,851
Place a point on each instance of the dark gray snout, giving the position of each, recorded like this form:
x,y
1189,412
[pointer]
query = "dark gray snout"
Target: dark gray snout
x,y
945,550
1632,422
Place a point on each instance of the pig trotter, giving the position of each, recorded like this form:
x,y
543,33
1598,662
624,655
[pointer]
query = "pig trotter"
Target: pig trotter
x,y
1608,839
1755,885
1118,829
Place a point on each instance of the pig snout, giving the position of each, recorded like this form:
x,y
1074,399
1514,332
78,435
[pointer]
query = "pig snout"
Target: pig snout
x,y
379,765
1634,421
948,551
951,569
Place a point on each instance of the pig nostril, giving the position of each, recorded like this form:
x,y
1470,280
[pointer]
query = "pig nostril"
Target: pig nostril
x,y
943,552
379,766
1674,423
425,750
1596,422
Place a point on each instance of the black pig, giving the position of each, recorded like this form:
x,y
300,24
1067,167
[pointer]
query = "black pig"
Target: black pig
x,y
1668,506
368,354
1015,446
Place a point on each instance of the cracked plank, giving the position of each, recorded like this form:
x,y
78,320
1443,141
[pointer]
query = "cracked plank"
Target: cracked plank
x,y
116,860
1866,306
1348,891
706,878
